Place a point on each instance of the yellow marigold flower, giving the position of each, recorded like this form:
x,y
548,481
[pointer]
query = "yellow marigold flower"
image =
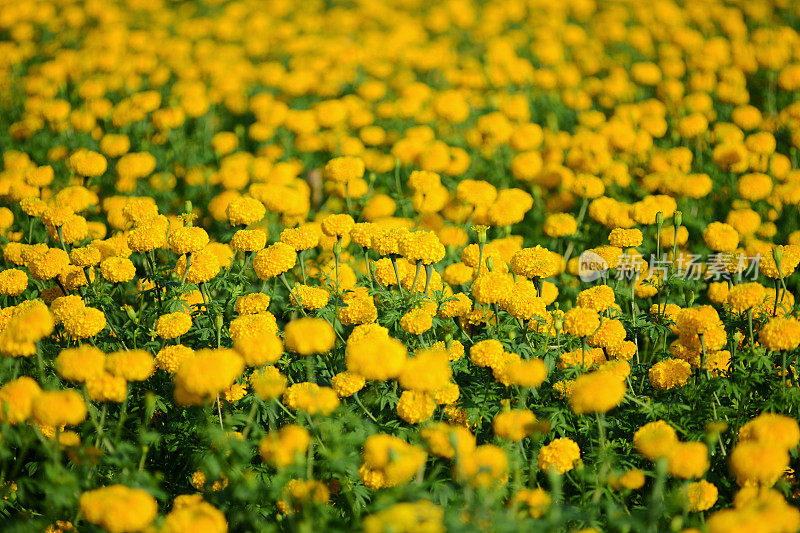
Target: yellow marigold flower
x,y
561,455
197,516
173,325
252,304
655,439
118,269
745,296
87,163
780,334
772,428
87,256
688,460
337,225
492,288
388,242
421,246
29,323
255,324
311,398
119,509
535,501
789,258
344,169
631,480
84,323
486,466
415,407
204,266
581,322
259,349
417,321
245,211
13,282
486,353
697,320
535,262
514,424
16,399
596,392
274,260
283,447
441,439
80,364
347,383
304,237
206,374
58,408
133,365
169,358
454,306
758,463
268,383
300,492
187,240
599,298
560,225
396,460
611,333
107,388
422,515
309,336
476,192
429,371
48,265
235,392
669,374
246,240
375,356
721,237
700,496
311,298
625,238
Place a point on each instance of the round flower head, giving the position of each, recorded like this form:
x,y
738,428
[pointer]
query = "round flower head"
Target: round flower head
x,y
173,325
311,298
596,392
416,321
49,265
492,288
133,365
669,374
119,509
13,282
744,296
149,234
311,398
251,304
780,334
206,374
255,324
429,371
415,407
259,350
274,260
700,496
535,262
347,383
246,240
59,408
514,424
309,336
268,383
376,357
560,225
561,455
80,364
772,428
187,240
197,516
118,269
688,460
84,323
283,447
204,266
344,169
107,388
16,399
625,238
581,322
87,163
655,439
721,237
486,353
337,225
758,463
422,246
245,211
301,238
87,256
169,358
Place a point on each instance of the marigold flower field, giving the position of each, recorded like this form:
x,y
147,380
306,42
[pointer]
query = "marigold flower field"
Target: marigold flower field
x,y
399,266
